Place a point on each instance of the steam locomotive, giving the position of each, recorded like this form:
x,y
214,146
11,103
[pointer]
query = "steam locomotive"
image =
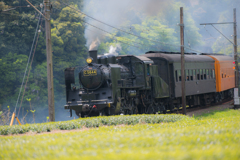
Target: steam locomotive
x,y
150,83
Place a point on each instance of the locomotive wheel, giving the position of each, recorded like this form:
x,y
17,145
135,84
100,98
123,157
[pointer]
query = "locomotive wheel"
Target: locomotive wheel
x,y
163,109
151,109
79,114
217,98
230,93
154,108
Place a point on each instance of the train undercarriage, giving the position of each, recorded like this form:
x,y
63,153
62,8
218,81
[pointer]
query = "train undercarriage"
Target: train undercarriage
x,y
143,103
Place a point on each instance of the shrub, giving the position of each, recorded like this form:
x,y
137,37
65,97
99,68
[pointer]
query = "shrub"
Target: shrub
x,y
90,122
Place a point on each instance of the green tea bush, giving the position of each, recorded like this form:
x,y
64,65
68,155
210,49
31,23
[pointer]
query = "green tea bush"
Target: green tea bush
x,y
214,136
90,122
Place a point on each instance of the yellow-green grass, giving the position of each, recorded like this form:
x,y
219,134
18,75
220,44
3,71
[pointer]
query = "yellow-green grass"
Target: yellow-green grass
x,y
214,136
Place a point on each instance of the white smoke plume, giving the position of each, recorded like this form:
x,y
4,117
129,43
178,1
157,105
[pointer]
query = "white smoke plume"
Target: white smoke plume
x,y
121,13
94,44
115,13
115,50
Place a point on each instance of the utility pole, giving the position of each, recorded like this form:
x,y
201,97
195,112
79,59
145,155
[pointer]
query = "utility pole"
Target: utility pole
x,y
236,93
235,46
182,62
49,62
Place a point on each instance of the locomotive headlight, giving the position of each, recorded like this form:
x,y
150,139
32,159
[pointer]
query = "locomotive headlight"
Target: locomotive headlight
x,y
89,60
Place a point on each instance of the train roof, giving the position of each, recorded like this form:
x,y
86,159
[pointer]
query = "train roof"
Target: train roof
x,y
177,57
221,58
141,57
189,57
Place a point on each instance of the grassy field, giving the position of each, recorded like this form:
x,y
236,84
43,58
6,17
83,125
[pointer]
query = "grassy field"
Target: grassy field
x,y
212,136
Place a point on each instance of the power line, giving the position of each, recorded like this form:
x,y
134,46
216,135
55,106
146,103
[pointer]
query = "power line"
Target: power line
x,y
36,9
108,33
19,15
112,26
112,34
208,31
29,69
27,62
188,39
9,9
238,30
121,29
222,34
104,31
114,38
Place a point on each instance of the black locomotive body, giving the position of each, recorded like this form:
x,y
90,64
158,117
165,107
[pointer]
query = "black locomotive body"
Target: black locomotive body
x,y
148,83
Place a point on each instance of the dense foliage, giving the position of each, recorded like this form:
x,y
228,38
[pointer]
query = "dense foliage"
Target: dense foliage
x,y
215,136
159,23
17,29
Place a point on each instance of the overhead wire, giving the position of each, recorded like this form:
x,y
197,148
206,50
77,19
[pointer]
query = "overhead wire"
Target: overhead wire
x,y
188,39
30,67
222,34
207,30
107,32
27,64
114,38
36,9
20,15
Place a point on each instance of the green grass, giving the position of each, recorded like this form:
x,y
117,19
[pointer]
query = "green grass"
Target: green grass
x,y
215,136
218,114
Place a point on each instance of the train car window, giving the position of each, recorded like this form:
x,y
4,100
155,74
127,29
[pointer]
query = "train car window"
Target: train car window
x,y
210,74
207,74
179,75
148,70
187,75
201,74
204,74
176,75
198,74
213,74
191,74
194,74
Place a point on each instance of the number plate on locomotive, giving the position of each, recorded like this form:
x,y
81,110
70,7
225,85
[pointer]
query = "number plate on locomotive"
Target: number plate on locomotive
x,y
90,72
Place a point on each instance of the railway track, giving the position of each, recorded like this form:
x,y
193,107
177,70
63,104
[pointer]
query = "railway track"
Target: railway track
x,y
196,110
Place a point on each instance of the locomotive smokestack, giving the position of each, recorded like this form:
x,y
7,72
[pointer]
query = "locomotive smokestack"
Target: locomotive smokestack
x,y
93,54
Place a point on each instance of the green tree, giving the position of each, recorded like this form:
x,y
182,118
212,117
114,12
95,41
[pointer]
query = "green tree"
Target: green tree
x,y
17,29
